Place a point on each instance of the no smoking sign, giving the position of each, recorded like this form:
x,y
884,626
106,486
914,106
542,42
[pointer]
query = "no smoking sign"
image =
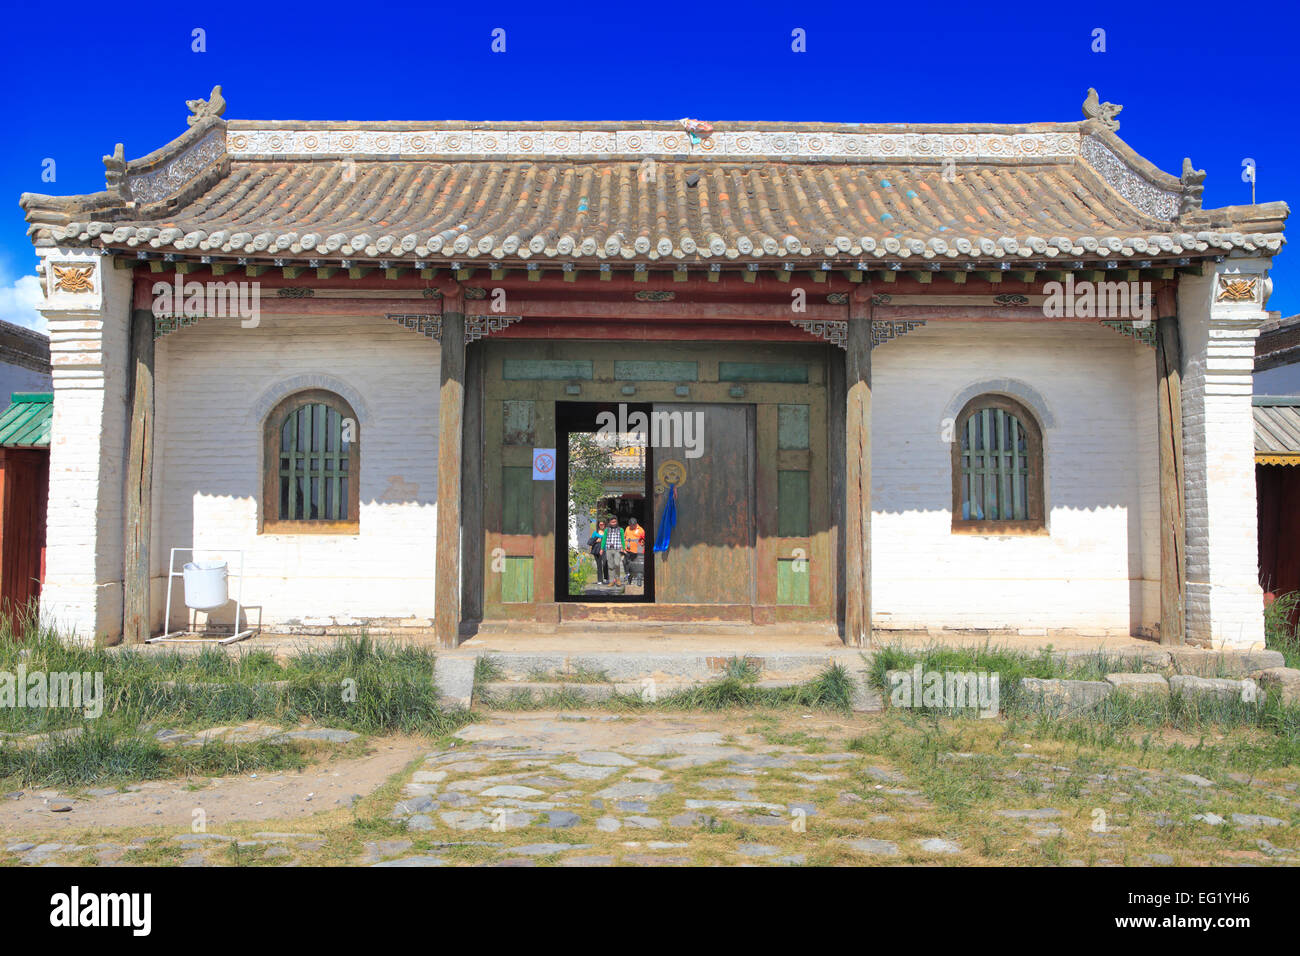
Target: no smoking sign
x,y
543,464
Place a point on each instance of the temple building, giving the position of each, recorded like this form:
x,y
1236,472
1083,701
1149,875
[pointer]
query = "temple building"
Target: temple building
x,y
940,378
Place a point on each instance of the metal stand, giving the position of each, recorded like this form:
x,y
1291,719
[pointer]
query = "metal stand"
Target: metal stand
x,y
173,637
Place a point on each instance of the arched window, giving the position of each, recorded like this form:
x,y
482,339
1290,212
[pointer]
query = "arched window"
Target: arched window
x,y
312,463
997,468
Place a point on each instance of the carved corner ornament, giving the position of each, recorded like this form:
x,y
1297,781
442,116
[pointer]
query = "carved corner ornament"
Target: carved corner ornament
x,y
1237,288
73,280
214,105
1093,108
1193,181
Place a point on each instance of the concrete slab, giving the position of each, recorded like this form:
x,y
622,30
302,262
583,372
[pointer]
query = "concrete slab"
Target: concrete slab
x,y
454,677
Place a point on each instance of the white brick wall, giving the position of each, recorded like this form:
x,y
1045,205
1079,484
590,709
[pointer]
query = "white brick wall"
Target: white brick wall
x,y
1098,569
1224,599
82,594
216,382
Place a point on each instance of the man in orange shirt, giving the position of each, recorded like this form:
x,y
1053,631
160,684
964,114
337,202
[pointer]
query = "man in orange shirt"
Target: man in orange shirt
x,y
634,543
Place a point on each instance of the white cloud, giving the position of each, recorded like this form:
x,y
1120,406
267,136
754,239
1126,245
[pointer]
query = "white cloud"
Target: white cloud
x,y
18,302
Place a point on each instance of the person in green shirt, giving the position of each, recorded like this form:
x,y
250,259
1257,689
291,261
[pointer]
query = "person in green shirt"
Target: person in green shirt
x,y
596,545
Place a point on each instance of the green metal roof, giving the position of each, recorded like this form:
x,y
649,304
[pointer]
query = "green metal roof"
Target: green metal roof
x,y
26,422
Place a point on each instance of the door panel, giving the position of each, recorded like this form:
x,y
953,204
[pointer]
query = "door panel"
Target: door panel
x,y
711,558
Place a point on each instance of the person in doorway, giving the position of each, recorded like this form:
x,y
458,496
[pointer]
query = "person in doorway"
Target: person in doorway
x,y
614,552
596,545
634,550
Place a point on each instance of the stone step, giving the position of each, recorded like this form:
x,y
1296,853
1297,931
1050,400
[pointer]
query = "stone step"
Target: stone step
x,y
697,666
865,699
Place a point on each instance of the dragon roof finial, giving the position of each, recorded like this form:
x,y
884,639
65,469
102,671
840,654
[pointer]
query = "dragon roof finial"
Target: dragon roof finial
x,y
214,105
1093,108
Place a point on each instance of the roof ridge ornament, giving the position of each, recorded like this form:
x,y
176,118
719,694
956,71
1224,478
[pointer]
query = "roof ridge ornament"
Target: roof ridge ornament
x,y
214,106
1193,181
1093,108
115,169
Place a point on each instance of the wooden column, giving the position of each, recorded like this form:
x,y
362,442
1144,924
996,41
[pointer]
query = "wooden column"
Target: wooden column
x,y
451,409
136,618
1173,513
472,492
857,472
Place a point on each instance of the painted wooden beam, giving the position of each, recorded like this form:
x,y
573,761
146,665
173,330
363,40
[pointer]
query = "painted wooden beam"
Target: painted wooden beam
x,y
136,612
1173,508
857,477
451,411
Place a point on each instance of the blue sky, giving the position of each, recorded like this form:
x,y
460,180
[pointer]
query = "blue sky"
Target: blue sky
x,y
1214,82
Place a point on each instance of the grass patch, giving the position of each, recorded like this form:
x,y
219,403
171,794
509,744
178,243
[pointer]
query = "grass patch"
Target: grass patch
x,y
107,754
354,683
1279,633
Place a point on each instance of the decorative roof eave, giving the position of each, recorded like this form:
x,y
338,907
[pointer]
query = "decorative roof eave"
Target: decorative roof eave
x,y
142,193
1059,253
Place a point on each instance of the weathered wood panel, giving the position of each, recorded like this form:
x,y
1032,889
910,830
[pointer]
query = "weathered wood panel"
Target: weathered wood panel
x,y
792,504
517,505
711,560
519,422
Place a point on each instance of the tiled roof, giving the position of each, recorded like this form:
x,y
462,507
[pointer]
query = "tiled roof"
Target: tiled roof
x,y
1277,428
26,422
591,192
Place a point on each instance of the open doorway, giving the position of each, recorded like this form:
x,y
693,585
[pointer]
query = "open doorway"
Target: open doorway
x,y
604,494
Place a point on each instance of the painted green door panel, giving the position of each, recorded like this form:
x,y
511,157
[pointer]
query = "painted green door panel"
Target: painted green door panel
x,y
762,372
517,500
638,371
517,581
792,577
556,370
792,504
792,426
518,422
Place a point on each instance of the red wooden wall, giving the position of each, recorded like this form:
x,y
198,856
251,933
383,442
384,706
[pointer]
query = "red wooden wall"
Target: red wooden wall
x,y
24,494
1278,487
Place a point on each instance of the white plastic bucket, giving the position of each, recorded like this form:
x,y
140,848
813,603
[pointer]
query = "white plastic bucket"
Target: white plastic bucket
x,y
205,585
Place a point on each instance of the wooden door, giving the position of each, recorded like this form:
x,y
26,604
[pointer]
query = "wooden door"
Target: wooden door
x,y
711,557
